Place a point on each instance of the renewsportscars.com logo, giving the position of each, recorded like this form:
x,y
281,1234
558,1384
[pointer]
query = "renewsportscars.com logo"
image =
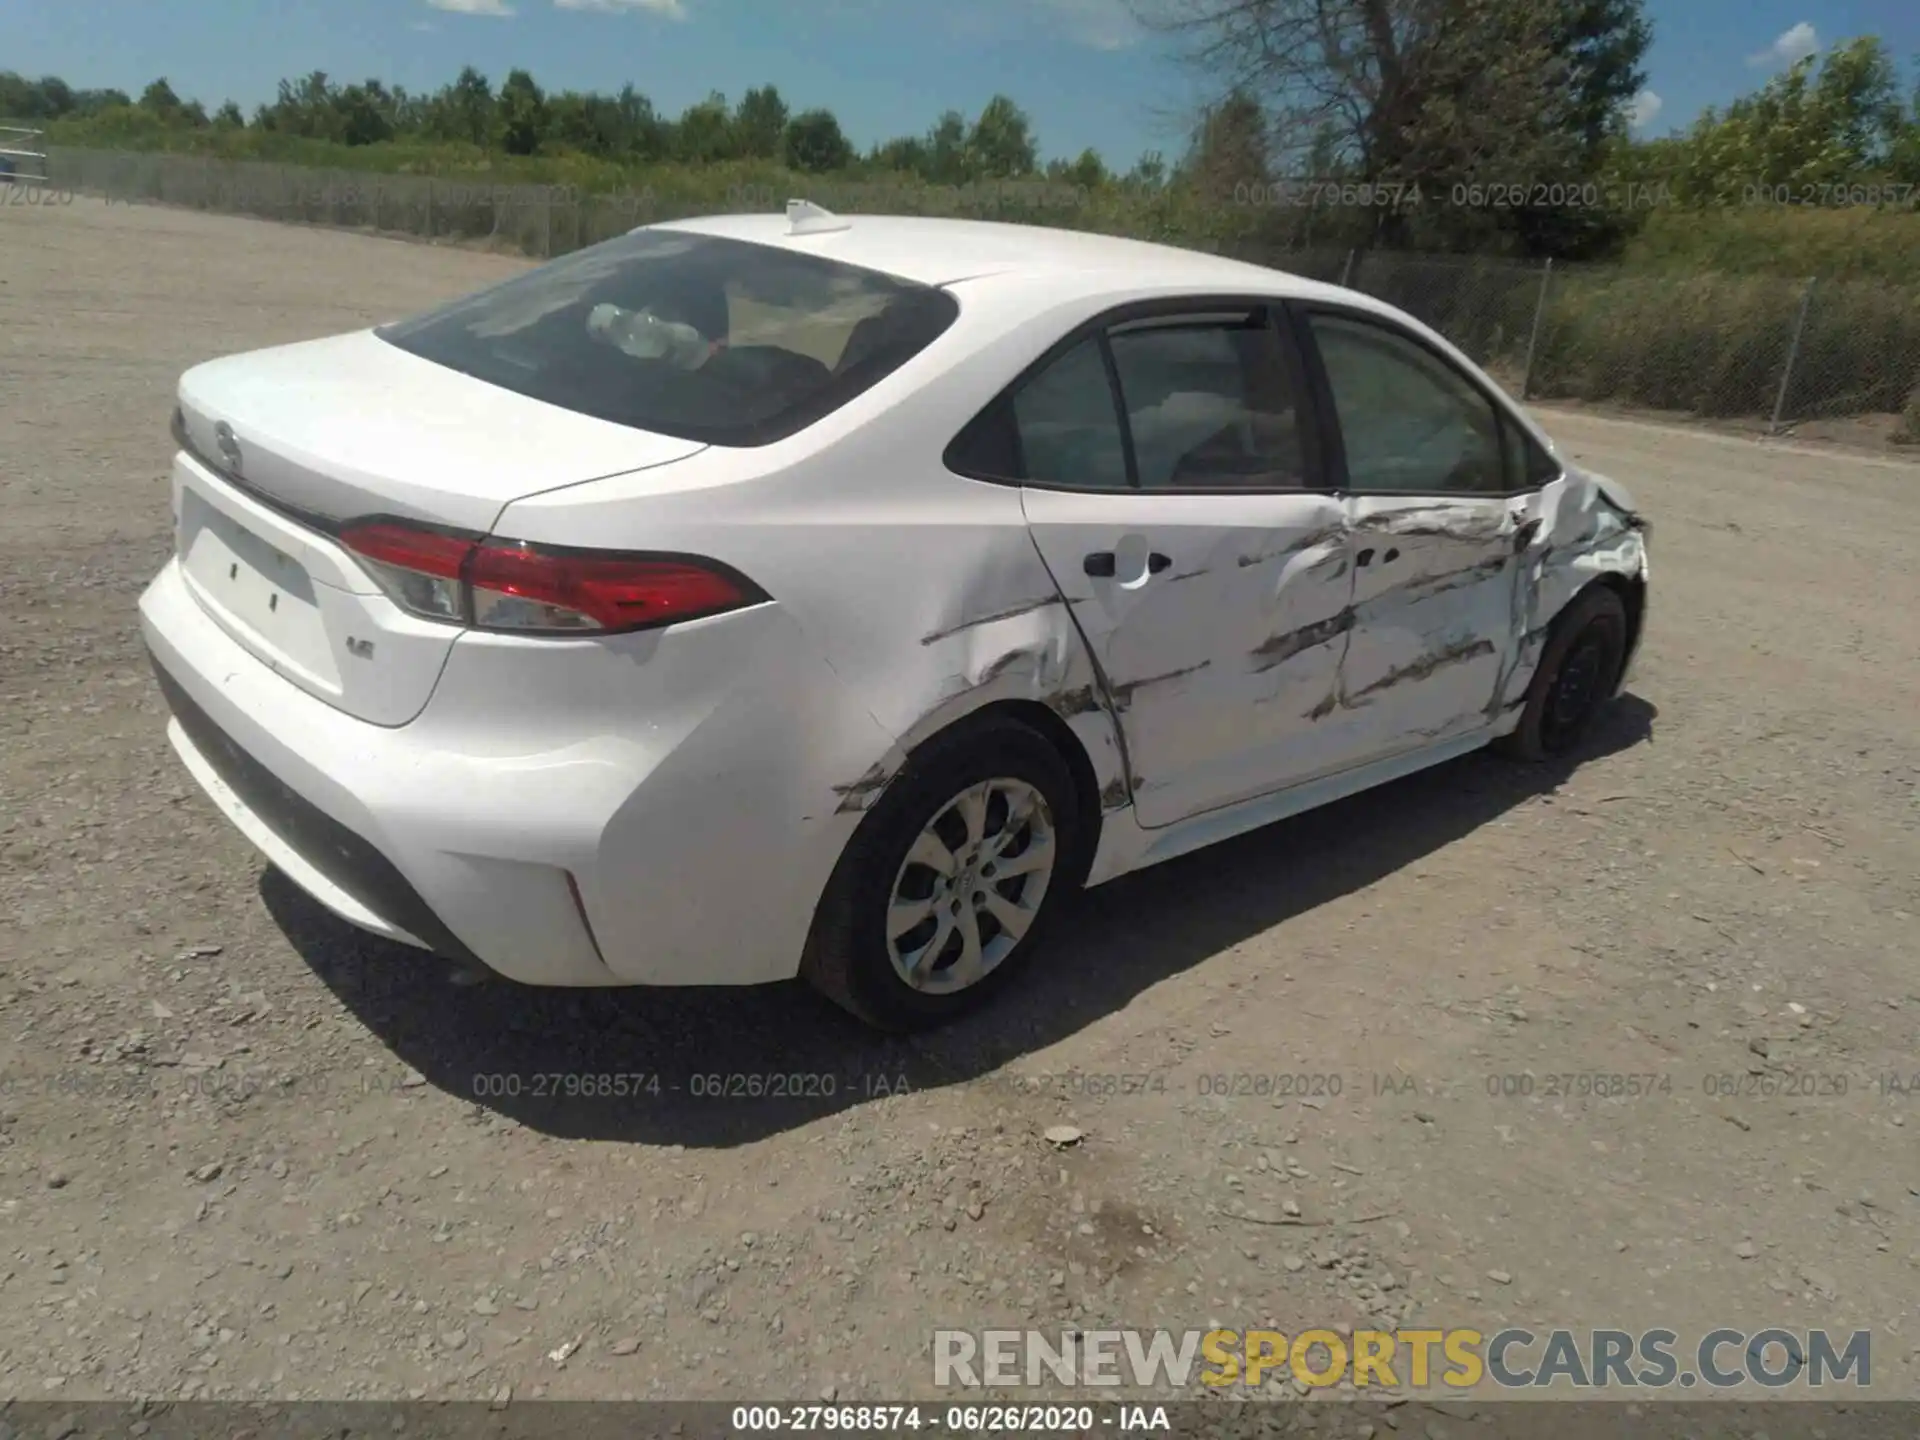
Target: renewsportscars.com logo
x,y
1772,1358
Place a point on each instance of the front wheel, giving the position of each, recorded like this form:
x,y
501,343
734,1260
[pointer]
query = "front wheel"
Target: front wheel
x,y
945,887
1576,677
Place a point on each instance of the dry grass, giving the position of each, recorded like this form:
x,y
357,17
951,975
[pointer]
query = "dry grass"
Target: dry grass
x,y
1717,345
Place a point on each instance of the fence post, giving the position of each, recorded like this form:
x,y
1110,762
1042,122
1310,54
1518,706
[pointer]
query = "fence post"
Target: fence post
x,y
1793,354
429,207
1539,319
546,224
1346,271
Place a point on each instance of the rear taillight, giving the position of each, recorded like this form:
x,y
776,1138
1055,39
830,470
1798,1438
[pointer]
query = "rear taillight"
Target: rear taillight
x,y
520,587
535,590
419,569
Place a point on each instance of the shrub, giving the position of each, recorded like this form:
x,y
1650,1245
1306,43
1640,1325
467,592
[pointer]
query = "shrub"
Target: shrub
x,y
1717,344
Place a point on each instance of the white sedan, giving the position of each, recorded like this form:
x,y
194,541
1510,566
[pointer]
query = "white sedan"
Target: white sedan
x,y
760,596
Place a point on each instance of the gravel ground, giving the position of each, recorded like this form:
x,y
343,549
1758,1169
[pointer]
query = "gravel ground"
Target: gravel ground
x,y
246,1152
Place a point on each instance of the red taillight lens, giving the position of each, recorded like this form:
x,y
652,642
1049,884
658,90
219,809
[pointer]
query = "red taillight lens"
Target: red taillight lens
x,y
504,585
427,551
419,569
516,587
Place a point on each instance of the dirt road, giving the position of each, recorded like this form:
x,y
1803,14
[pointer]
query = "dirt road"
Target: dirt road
x,y
246,1152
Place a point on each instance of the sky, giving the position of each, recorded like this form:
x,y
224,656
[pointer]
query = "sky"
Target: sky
x,y
1085,70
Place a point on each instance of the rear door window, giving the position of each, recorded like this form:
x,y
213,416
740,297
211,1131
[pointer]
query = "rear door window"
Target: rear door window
x,y
1212,403
703,338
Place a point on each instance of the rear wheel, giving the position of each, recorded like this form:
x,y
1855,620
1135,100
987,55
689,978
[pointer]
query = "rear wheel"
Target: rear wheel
x,y
946,886
1576,677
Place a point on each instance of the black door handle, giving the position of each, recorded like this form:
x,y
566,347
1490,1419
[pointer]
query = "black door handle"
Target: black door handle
x,y
1389,557
1523,536
1156,562
1099,564
1363,559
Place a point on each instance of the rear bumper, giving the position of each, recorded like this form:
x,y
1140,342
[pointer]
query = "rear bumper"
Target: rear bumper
x,y
655,810
386,829
317,852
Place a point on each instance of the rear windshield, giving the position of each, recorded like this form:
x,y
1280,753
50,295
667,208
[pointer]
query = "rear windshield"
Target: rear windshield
x,y
702,338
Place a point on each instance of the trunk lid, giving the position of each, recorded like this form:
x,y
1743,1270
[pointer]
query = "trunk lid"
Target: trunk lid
x,y
351,426
284,444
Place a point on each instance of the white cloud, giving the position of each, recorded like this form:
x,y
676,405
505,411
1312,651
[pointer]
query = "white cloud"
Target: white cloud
x,y
1788,46
1644,109
473,7
666,9
1100,24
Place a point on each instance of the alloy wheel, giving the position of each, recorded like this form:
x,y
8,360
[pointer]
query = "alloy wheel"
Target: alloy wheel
x,y
971,886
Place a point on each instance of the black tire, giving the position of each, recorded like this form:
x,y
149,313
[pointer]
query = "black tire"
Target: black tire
x,y
847,957
1576,678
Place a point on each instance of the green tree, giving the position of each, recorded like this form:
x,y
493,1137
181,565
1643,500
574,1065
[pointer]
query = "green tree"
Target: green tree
x,y
92,102
19,100
639,130
362,114
309,108
1001,145
1229,149
464,110
704,133
522,111
1903,156
1088,171
814,143
1149,171
907,155
760,124
1831,119
1603,44
228,117
408,112
1857,103
160,99
948,161
56,98
1606,44
582,122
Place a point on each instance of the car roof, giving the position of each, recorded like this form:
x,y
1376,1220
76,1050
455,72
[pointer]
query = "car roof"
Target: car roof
x,y
937,250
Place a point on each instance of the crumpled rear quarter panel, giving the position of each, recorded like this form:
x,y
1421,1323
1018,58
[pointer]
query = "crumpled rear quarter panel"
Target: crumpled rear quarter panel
x,y
916,597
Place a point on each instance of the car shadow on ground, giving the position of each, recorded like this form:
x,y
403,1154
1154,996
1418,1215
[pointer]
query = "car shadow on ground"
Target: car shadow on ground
x,y
722,1067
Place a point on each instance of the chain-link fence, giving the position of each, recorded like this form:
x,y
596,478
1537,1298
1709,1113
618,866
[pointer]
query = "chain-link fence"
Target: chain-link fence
x,y
1696,342
539,220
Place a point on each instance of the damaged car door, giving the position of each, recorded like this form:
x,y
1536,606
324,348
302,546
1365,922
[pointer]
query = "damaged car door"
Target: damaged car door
x,y
1436,527
1173,482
